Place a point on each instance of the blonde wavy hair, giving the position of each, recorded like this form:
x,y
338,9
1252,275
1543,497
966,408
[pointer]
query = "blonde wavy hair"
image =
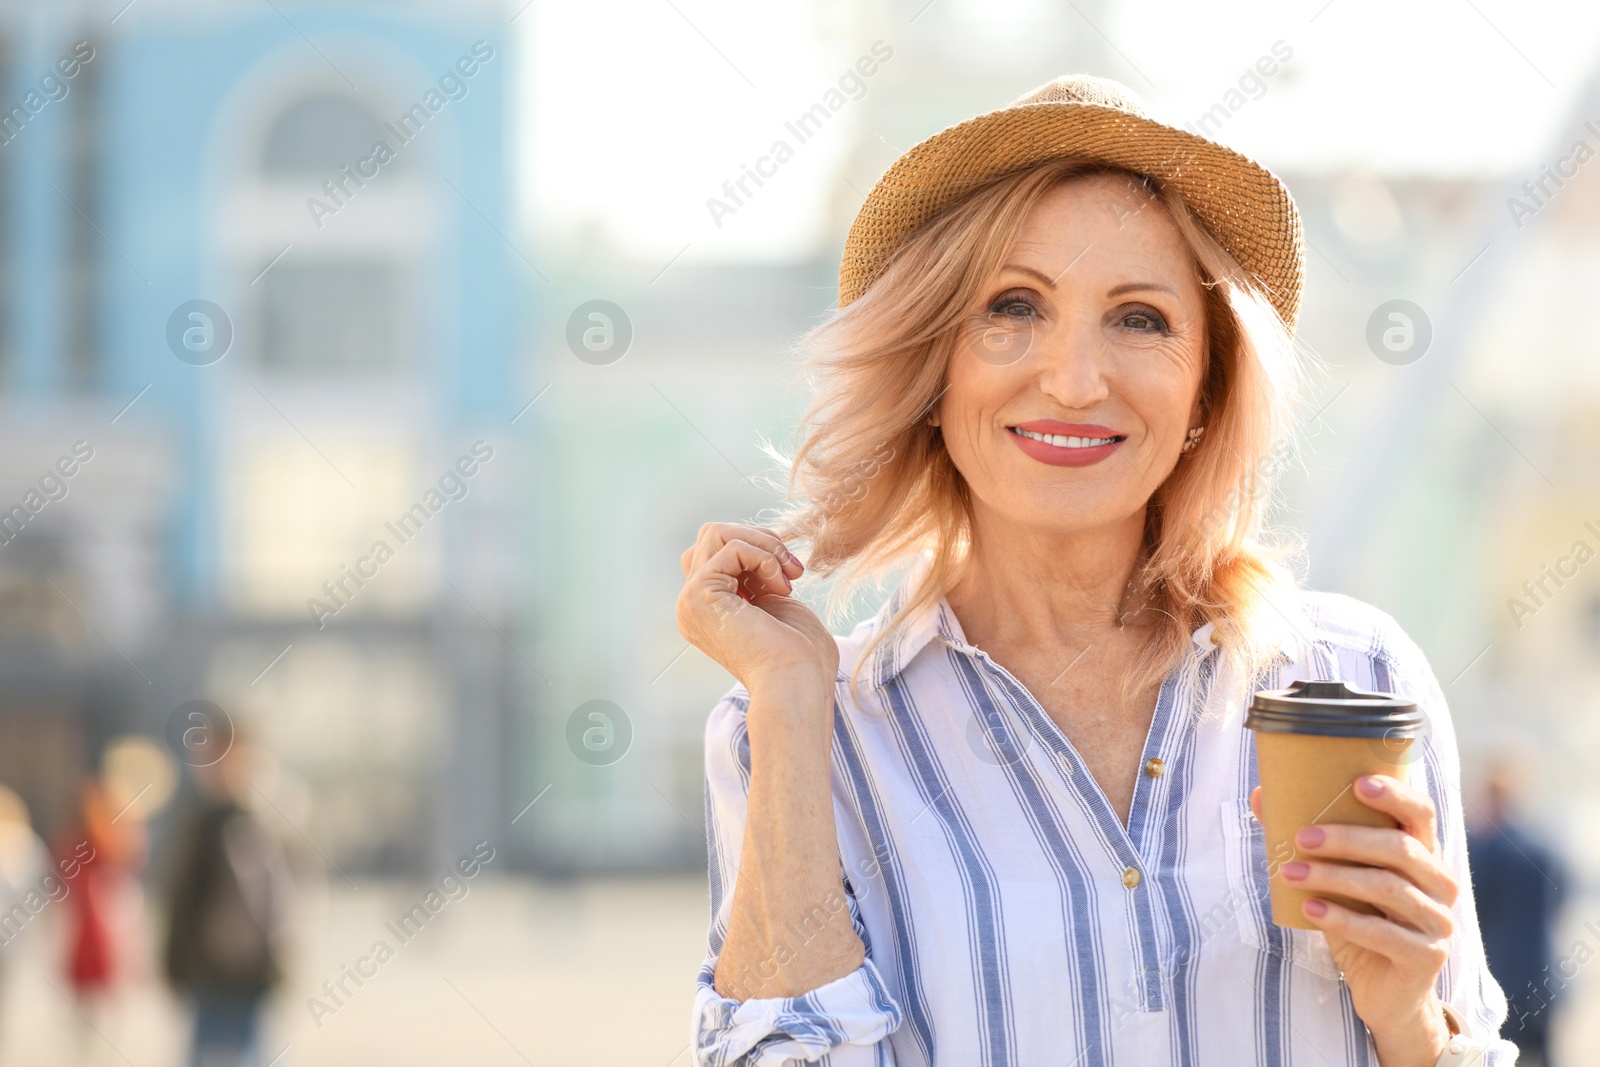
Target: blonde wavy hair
x,y
871,484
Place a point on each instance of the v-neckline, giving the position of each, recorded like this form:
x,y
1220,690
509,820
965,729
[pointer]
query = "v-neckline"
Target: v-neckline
x,y
1049,733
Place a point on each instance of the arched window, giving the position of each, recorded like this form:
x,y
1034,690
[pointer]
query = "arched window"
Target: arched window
x,y
334,303
316,136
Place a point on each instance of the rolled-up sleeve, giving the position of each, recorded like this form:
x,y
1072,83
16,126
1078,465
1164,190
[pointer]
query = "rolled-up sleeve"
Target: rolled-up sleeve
x,y
1465,983
844,1022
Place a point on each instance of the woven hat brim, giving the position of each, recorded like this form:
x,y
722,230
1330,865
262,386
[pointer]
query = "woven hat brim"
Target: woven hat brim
x,y
1244,205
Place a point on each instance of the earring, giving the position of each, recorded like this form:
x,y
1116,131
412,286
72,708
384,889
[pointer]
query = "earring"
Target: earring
x,y
1192,439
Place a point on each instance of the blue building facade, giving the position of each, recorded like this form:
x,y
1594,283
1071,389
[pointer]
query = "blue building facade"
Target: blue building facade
x,y
259,259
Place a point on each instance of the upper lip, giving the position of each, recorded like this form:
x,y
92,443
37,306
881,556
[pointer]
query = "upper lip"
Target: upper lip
x,y
1067,429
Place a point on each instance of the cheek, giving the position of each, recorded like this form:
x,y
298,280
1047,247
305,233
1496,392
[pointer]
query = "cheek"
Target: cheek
x,y
974,391
1163,387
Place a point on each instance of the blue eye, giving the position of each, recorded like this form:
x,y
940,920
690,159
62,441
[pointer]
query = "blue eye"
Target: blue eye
x,y
1009,304
1144,320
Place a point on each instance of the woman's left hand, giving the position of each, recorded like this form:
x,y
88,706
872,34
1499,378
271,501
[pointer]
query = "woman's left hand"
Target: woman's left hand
x,y
1391,961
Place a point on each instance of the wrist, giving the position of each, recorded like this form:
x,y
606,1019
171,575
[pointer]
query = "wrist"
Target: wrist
x,y
800,689
1417,1041
798,704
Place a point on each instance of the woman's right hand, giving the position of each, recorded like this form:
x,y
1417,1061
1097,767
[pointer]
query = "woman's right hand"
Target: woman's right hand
x,y
736,607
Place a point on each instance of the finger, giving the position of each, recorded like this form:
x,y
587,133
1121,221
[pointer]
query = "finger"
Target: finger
x,y
714,536
1255,802
1385,890
745,569
1411,807
721,588
1380,846
1410,951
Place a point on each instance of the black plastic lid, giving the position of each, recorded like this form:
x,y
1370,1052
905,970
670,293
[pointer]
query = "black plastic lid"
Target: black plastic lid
x,y
1333,709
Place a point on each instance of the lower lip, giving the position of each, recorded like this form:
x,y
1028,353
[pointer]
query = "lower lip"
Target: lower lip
x,y
1057,456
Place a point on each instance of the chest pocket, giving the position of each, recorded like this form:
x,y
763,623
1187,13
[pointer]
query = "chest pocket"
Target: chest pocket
x,y
1247,878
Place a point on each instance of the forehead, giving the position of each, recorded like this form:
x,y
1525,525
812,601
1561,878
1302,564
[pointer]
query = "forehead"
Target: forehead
x,y
1103,221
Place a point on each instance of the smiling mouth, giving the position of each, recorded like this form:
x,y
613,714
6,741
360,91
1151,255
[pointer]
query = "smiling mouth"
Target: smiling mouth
x,y
1064,441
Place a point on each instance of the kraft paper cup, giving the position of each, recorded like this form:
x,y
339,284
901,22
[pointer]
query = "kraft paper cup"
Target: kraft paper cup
x,y
1313,740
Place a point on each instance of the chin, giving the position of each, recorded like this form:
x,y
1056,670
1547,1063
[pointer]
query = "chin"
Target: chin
x,y
1069,513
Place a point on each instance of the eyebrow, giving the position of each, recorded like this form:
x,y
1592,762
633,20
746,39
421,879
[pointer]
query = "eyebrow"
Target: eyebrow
x,y
1020,269
1126,287
1135,287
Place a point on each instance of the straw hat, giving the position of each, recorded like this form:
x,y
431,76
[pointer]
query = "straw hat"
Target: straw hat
x,y
1245,206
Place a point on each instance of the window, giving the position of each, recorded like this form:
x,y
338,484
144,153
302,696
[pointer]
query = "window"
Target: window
x,y
331,318
292,528
329,260
318,135
358,726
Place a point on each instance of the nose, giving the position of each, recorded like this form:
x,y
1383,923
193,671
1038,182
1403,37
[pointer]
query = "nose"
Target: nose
x,y
1072,366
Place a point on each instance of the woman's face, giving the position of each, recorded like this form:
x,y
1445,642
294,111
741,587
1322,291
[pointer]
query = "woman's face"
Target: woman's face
x,y
1071,390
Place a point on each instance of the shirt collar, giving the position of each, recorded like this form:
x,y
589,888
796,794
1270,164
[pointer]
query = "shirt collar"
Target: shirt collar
x,y
938,620
914,633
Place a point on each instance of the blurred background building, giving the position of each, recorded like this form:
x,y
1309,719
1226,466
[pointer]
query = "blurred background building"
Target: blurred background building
x,y
264,346
207,153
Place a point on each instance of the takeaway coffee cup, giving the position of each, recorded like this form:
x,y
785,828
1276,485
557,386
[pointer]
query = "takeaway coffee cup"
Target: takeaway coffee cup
x,y
1313,740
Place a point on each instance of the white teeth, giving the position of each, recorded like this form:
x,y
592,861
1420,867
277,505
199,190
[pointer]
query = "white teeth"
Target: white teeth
x,y
1061,441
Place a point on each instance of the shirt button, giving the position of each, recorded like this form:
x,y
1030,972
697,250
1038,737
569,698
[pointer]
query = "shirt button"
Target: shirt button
x,y
1154,766
1130,877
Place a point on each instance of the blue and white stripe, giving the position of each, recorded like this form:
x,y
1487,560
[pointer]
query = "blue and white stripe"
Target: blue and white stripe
x,y
988,884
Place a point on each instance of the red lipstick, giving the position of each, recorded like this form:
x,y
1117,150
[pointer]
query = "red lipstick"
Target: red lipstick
x,y
1072,451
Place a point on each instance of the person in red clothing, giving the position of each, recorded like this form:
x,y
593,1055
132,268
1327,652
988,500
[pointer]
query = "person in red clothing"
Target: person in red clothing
x,y
100,860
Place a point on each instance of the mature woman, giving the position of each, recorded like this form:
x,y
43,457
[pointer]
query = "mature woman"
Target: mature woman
x,y
1009,820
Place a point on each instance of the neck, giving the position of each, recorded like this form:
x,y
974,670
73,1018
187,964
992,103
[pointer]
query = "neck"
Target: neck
x,y
1032,587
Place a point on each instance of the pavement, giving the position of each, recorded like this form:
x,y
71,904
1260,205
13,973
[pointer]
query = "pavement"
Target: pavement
x,y
516,972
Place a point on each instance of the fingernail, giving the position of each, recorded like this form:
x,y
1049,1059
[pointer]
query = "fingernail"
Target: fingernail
x,y
1315,908
1310,837
1295,870
1370,786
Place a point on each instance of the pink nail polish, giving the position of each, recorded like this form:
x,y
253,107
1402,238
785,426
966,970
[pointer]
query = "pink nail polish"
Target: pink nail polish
x,y
1370,786
1310,837
1316,909
1295,870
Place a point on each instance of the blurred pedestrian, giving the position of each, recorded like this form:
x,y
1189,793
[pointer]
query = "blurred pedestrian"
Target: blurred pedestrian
x,y
1520,883
25,886
101,857
225,916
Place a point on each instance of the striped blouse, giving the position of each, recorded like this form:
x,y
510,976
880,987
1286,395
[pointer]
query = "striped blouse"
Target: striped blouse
x,y
1011,919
